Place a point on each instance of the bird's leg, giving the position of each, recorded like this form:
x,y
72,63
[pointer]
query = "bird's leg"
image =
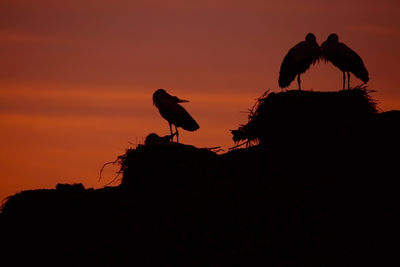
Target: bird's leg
x,y
344,80
177,134
348,80
298,81
170,129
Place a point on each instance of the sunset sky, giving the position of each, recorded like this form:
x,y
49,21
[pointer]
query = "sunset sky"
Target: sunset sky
x,y
76,77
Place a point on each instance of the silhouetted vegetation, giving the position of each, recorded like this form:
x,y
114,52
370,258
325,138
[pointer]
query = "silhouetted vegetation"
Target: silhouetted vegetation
x,y
318,189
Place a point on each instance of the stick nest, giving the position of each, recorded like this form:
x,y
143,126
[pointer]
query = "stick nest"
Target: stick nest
x,y
289,112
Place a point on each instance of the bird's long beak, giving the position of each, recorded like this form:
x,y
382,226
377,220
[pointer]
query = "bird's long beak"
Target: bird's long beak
x,y
182,100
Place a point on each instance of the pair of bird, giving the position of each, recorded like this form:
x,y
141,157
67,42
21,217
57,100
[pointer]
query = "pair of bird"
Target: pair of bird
x,y
301,56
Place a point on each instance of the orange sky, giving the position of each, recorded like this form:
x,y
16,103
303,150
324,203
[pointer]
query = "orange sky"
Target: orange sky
x,y
76,77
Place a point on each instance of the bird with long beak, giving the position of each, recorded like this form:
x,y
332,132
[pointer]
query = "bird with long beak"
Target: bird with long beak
x,y
343,57
175,114
298,60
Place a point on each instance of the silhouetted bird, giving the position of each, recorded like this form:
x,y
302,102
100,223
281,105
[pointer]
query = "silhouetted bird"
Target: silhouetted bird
x,y
154,139
173,112
344,58
298,60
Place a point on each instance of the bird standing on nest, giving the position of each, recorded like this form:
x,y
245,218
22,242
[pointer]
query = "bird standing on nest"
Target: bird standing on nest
x,y
298,60
344,58
173,112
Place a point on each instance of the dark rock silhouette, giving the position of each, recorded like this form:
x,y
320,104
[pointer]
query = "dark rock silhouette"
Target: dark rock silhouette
x,y
298,60
344,58
173,112
320,189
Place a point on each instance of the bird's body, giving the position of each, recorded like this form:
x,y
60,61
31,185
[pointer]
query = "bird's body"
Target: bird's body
x,y
344,58
173,112
298,60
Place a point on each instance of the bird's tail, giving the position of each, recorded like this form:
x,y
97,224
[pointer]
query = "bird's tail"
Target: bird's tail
x,y
190,125
286,78
362,74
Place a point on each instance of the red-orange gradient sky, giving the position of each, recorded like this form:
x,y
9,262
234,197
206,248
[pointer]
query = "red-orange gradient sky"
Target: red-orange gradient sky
x,y
76,77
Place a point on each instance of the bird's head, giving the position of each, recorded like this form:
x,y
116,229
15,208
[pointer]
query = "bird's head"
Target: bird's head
x,y
158,95
333,38
310,38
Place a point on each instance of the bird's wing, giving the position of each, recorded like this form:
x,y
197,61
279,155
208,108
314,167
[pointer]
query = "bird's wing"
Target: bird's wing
x,y
177,115
287,73
354,62
345,59
335,53
306,53
298,60
350,55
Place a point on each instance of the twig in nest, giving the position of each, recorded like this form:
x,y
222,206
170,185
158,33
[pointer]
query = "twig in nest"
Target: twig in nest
x,y
239,145
3,203
114,179
108,163
256,104
212,148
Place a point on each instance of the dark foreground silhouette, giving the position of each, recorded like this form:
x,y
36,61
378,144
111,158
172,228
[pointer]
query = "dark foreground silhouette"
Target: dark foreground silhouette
x,y
320,189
